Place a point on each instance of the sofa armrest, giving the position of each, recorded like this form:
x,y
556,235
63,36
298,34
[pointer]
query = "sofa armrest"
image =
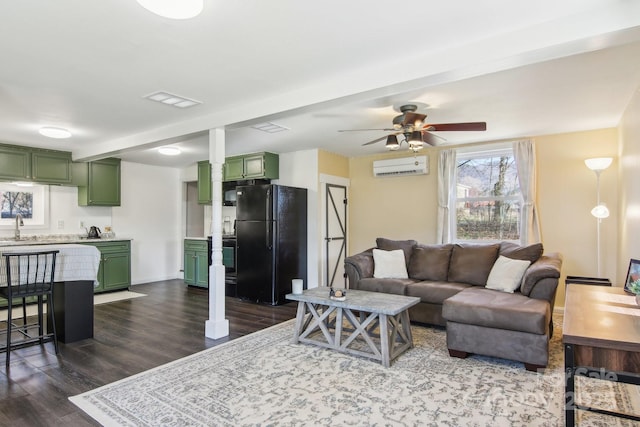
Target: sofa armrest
x,y
359,266
541,278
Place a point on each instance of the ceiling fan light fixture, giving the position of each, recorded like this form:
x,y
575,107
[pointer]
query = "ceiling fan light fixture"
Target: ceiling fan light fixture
x,y
416,139
174,9
392,143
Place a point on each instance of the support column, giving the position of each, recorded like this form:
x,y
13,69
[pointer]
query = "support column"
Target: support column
x,y
217,326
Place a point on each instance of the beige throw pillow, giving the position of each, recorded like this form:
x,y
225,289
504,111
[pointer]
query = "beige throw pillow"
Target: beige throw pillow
x,y
506,274
389,264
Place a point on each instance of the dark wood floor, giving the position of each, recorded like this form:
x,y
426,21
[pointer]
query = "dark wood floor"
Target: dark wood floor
x,y
130,336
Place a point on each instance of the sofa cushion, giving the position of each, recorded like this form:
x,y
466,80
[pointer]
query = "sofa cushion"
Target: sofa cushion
x,y
389,286
392,245
529,253
506,274
472,263
434,292
389,264
498,310
430,262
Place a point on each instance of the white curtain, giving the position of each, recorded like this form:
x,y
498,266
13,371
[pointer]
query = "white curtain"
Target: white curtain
x,y
446,195
524,152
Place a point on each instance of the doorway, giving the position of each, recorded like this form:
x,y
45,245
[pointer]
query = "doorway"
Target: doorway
x,y
335,234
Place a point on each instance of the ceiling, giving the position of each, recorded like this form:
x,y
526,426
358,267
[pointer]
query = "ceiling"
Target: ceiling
x,y
525,68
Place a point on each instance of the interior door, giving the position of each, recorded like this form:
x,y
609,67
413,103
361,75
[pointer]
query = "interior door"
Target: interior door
x,y
335,234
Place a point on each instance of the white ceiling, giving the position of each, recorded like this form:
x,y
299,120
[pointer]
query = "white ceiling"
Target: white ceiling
x,y
525,68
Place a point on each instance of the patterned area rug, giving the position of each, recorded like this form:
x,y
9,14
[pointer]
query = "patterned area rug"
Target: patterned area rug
x,y
262,379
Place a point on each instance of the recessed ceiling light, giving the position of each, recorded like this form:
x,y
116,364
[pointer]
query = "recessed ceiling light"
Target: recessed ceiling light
x,y
171,99
174,9
57,133
169,151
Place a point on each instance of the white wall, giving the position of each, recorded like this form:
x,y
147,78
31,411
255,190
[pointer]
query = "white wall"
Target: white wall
x,y
150,214
300,169
629,178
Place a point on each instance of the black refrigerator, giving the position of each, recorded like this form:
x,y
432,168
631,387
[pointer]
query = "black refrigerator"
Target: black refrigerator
x,y
271,238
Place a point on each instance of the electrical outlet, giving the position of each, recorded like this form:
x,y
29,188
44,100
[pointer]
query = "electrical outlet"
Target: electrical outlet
x,y
60,224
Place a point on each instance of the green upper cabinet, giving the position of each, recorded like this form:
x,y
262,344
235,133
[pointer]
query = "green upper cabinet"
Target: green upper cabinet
x,y
237,168
98,182
204,182
51,166
34,164
252,166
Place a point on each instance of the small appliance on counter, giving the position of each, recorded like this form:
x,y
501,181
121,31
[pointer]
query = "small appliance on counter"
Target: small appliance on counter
x,y
94,232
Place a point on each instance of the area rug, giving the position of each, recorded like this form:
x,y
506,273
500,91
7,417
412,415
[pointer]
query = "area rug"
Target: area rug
x,y
32,309
264,380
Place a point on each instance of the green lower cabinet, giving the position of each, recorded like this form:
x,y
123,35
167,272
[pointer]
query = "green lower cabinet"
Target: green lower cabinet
x,y
114,272
196,263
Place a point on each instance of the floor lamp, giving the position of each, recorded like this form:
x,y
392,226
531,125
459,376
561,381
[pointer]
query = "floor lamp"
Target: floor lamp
x,y
600,211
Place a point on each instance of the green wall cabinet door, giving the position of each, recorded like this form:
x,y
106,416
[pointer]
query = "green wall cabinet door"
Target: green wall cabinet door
x,y
98,182
233,169
52,167
196,263
252,166
114,272
15,163
34,164
204,182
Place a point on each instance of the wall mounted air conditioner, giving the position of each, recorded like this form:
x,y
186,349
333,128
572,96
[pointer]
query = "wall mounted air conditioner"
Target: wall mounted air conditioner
x,y
418,165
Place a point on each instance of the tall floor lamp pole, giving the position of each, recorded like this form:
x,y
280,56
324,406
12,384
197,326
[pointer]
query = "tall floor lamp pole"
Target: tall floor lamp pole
x,y
600,211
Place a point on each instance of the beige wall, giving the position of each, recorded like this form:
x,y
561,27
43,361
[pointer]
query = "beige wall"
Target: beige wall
x,y
333,164
629,177
406,207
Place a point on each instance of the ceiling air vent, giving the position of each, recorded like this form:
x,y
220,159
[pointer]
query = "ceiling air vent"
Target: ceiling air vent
x,y
172,100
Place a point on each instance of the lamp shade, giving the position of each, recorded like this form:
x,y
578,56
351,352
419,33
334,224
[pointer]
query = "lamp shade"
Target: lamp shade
x,y
416,138
598,163
392,143
600,211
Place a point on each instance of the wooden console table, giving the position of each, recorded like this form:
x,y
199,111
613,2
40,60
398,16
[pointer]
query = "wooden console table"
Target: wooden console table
x,y
601,337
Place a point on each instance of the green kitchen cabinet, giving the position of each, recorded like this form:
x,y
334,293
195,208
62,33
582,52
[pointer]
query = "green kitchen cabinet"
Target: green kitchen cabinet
x,y
252,166
196,263
114,272
228,256
35,164
53,167
204,182
98,182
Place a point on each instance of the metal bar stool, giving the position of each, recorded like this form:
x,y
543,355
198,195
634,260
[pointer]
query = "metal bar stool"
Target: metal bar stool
x,y
28,274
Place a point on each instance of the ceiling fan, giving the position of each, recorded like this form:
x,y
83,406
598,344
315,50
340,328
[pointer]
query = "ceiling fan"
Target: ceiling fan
x,y
416,132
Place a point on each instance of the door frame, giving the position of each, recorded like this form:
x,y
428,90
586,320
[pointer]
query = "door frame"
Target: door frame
x,y
338,181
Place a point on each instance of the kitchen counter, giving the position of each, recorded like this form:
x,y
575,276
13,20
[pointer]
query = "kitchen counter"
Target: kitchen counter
x,y
56,240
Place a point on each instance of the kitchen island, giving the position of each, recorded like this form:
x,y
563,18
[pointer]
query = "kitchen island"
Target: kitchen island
x,y
75,277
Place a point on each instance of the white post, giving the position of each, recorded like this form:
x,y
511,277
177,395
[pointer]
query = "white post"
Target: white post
x,y
217,326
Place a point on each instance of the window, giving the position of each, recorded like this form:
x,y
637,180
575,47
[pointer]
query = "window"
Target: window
x,y
488,198
31,202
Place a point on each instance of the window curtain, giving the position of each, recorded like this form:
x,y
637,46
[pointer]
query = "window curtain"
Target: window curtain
x,y
524,152
446,195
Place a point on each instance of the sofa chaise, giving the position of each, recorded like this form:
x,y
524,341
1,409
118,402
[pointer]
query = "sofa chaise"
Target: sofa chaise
x,y
495,299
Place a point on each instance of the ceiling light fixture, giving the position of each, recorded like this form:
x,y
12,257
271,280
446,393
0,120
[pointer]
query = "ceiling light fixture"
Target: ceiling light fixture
x,y
169,151
392,143
174,9
413,140
52,132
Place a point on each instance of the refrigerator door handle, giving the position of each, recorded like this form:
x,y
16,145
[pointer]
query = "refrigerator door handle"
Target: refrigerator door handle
x,y
267,215
268,239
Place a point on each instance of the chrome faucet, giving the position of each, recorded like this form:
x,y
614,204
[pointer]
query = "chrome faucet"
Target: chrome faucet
x,y
19,222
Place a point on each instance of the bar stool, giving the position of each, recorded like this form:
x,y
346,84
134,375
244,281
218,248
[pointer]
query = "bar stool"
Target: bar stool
x,y
28,274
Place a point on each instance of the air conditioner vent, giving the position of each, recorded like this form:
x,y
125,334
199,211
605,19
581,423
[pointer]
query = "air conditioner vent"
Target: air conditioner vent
x,y
402,166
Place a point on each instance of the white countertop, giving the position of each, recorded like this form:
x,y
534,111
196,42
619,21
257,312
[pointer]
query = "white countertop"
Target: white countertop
x,y
29,241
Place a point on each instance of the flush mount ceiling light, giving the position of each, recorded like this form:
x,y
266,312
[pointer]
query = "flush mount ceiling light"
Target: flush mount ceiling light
x,y
52,132
174,9
169,151
172,100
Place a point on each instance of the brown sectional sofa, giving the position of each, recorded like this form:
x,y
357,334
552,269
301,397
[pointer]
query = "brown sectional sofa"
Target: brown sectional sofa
x,y
450,280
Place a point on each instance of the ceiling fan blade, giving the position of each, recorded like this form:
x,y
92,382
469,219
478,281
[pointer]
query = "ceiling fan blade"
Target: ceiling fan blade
x,y
411,118
375,140
358,130
477,126
432,139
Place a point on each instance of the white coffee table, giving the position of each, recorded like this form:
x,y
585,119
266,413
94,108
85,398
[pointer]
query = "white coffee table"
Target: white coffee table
x,y
380,329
